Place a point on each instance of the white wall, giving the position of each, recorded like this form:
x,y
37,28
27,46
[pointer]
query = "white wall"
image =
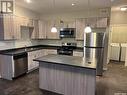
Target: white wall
x,y
118,18
118,27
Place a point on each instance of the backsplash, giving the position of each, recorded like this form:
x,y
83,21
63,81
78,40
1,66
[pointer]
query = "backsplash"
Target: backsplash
x,y
21,43
59,41
16,44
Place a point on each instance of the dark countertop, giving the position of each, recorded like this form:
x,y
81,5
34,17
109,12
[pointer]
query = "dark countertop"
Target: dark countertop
x,y
67,60
17,51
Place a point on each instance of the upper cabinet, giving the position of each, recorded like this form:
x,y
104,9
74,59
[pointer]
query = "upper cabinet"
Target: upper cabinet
x,y
102,22
94,23
17,27
80,25
42,29
49,34
38,31
26,22
6,27
34,31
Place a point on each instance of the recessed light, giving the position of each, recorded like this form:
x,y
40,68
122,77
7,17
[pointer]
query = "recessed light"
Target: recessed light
x,y
123,9
73,4
28,1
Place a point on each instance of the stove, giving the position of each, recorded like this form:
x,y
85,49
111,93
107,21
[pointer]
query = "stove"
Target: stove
x,y
66,49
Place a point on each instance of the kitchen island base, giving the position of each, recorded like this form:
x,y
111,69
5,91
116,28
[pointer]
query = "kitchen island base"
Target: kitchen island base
x,y
67,80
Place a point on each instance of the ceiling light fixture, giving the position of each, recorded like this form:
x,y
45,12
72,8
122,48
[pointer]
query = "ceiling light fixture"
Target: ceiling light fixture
x,y
54,29
28,1
88,28
123,9
73,4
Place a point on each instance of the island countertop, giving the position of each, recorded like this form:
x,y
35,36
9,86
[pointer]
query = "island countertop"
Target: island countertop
x,y
68,60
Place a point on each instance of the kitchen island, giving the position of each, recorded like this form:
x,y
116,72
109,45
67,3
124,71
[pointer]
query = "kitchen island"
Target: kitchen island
x,y
67,75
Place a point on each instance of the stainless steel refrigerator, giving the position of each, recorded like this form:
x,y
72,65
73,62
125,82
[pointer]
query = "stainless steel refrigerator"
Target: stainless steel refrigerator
x,y
94,49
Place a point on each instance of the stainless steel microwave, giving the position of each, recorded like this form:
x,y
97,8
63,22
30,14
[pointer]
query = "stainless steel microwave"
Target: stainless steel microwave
x,y
67,32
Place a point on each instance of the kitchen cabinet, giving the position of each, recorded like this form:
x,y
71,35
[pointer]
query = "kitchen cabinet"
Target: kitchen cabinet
x,y
17,27
50,35
91,21
33,55
94,23
38,31
78,53
6,27
42,29
80,25
51,51
102,22
24,21
34,31
72,24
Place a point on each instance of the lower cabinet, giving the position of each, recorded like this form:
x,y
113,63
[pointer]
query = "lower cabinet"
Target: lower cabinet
x,y
51,51
78,53
33,55
32,65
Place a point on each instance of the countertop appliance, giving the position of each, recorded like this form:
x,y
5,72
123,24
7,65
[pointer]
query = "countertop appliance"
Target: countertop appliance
x,y
20,64
94,49
66,49
67,32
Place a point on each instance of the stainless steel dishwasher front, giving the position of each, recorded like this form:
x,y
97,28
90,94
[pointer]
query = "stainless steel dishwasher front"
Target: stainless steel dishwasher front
x,y
20,64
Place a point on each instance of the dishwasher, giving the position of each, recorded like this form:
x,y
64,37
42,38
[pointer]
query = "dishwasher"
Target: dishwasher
x,y
20,64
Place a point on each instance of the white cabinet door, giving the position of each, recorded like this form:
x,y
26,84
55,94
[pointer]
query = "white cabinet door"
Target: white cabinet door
x,y
80,25
51,51
6,27
33,55
49,34
32,64
34,31
42,29
17,27
72,24
102,22
78,53
92,22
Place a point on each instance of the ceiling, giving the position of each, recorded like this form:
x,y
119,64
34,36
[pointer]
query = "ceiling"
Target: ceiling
x,y
47,6
116,4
